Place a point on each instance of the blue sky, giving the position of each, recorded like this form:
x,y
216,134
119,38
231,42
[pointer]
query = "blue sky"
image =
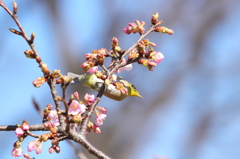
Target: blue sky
x,y
85,23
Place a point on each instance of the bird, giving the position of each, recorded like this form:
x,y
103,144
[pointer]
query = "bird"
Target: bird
x,y
111,91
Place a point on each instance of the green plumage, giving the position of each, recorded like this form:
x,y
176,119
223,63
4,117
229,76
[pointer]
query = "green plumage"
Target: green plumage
x,y
95,83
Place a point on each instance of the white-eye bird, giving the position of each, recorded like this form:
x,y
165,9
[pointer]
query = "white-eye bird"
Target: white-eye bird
x,y
111,91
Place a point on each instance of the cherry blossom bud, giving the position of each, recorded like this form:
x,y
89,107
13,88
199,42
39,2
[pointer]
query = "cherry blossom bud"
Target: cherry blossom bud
x,y
25,127
39,81
57,149
155,18
15,31
157,57
76,95
56,73
127,30
89,98
102,109
39,149
114,42
118,49
44,68
93,69
77,118
51,150
15,9
32,146
44,137
30,54
19,132
32,38
96,129
86,66
164,30
120,87
26,155
17,152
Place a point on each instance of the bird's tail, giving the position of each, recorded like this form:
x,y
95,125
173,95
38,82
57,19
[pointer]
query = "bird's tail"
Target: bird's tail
x,y
75,77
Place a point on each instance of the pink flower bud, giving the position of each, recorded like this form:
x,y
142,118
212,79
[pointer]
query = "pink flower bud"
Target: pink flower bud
x,y
127,30
50,150
26,155
89,98
39,149
102,109
96,129
17,152
19,132
76,95
93,69
25,127
99,119
39,81
155,18
31,146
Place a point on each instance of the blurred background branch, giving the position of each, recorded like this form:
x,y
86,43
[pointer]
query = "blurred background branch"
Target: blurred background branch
x,y
191,100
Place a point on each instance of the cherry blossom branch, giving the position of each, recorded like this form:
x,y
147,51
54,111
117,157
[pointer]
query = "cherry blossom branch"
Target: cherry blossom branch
x,y
119,65
79,138
37,127
90,112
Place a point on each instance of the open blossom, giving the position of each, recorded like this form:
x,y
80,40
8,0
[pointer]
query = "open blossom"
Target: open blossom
x,y
54,117
89,98
76,108
19,132
126,68
17,152
99,119
93,69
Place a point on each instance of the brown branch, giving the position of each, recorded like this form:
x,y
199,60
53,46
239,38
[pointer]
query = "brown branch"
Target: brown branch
x,y
32,134
37,127
75,136
65,105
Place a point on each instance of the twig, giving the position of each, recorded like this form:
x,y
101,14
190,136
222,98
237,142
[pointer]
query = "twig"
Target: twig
x,y
33,135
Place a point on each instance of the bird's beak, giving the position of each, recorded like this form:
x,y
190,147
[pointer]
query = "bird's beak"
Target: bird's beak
x,y
138,95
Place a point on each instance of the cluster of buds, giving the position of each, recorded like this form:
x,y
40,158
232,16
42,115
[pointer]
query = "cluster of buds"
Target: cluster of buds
x,y
164,30
143,53
94,59
100,116
55,146
137,27
21,133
